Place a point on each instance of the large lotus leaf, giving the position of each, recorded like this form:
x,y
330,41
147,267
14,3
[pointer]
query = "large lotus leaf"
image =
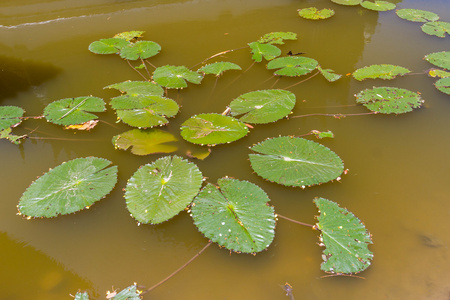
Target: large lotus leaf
x,y
292,65
295,161
108,46
383,71
10,116
417,15
129,35
329,74
347,2
69,187
218,68
160,190
260,107
437,28
70,111
440,59
236,215
443,85
129,293
389,100
81,296
143,142
212,129
345,238
378,5
277,37
266,51
312,13
132,101
140,50
145,88
175,77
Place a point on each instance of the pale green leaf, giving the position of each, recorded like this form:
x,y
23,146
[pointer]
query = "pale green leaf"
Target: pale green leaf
x,y
218,68
108,46
292,65
389,100
140,50
175,77
439,59
378,5
71,111
277,37
134,88
383,71
417,15
438,28
313,13
143,142
129,35
329,74
266,51
443,85
10,116
347,2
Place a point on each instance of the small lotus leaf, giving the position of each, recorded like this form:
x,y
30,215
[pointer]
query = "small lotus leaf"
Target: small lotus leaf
x,y
294,161
129,293
347,2
438,73
383,71
81,296
344,237
439,59
322,134
388,100
71,111
143,142
15,139
158,191
277,37
10,116
417,15
312,13
437,28
145,88
68,188
201,153
129,35
443,85
292,65
378,5
108,46
260,107
212,129
266,51
236,215
175,77
218,68
140,50
329,74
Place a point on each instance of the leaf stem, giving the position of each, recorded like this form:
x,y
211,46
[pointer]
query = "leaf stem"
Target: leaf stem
x,y
136,70
145,66
218,54
295,221
288,87
337,116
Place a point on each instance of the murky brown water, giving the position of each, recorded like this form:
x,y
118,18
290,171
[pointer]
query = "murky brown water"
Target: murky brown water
x,y
397,184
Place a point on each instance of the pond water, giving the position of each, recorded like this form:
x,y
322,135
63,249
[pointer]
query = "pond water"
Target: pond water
x,y
397,182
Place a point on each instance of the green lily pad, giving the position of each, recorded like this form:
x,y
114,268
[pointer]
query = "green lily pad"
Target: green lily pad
x,y
144,142
389,100
68,188
10,116
313,13
437,28
158,191
134,88
129,35
347,2
218,68
439,59
175,77
108,46
266,51
140,50
71,111
345,239
212,129
443,85
261,107
294,161
417,15
378,5
322,134
7,134
235,215
277,37
329,74
292,65
438,73
383,71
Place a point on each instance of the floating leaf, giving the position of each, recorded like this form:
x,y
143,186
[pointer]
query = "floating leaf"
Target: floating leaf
x,y
129,293
160,190
134,88
266,51
312,13
295,162
199,154
108,46
443,85
10,116
388,100
439,59
378,5
143,142
437,28
212,129
70,111
84,126
129,35
15,139
81,296
140,50
277,37
417,15
292,65
345,238
329,74
322,134
383,71
260,107
236,215
438,73
218,68
69,187
175,77
347,2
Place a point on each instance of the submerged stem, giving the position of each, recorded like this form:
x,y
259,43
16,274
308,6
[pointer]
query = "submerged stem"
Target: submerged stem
x,y
337,116
136,70
288,87
145,66
218,54
295,221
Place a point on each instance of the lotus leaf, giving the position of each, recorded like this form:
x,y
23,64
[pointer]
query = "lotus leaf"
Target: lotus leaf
x,y
140,50
378,5
437,28
108,46
10,116
347,2
345,238
266,51
443,85
322,134
218,68
68,188
329,74
71,111
175,77
81,296
295,161
236,215
439,59
129,35
277,37
438,73
417,15
383,71
388,100
134,88
260,107
158,191
143,142
312,13
292,65
15,139
129,293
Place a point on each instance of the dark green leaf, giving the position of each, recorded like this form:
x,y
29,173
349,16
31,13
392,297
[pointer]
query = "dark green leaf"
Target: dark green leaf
x,y
388,100
312,13
70,111
10,116
417,15
218,68
140,50
143,142
135,88
437,28
383,71
277,37
175,77
266,51
443,85
439,59
108,46
292,65
378,5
